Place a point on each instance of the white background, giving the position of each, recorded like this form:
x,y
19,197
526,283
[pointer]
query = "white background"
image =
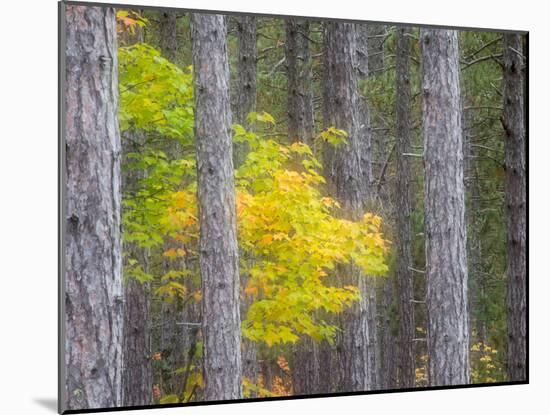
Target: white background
x,y
28,204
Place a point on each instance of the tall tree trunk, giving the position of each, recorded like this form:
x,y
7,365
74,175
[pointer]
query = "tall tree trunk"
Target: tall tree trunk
x,y
387,368
348,174
306,364
405,306
516,193
306,367
168,35
246,68
376,35
93,278
376,337
137,371
245,99
446,267
301,126
218,251
137,381
173,338
245,103
362,50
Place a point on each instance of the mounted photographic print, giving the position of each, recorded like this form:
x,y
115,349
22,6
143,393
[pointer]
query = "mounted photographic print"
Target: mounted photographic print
x,y
258,207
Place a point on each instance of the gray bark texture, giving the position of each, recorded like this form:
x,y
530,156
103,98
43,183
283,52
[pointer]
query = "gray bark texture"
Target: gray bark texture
x,y
246,68
405,306
347,167
168,35
446,263
387,333
137,373
376,35
218,250
245,97
245,103
515,200
301,125
93,274
348,173
375,337
306,367
362,50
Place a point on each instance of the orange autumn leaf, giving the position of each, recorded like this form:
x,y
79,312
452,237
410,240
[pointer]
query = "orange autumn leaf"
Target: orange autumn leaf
x,y
266,239
251,290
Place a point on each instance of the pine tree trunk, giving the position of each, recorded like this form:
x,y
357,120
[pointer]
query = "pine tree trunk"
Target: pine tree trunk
x,y
446,267
515,200
405,306
306,367
376,36
387,376
168,35
245,103
301,126
137,376
348,173
245,99
137,372
93,272
246,68
376,335
218,255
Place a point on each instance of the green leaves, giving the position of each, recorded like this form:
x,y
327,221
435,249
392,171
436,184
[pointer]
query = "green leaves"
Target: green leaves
x,y
260,117
156,96
333,136
169,399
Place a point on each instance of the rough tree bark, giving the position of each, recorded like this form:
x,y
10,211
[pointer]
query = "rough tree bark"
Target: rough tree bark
x,y
362,50
168,35
387,334
218,251
245,103
174,339
93,278
245,98
137,371
301,125
137,381
515,201
305,362
446,266
348,173
246,68
376,35
380,362
306,374
405,306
